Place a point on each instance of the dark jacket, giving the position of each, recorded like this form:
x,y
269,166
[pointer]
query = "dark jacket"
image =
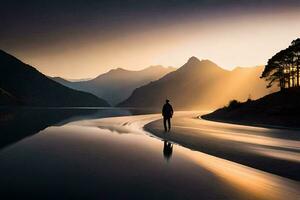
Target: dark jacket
x,y
167,110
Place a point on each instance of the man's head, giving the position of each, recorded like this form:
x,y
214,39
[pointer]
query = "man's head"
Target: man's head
x,y
167,100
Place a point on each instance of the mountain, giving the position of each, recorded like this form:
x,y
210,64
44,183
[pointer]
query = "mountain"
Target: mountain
x,y
200,85
22,84
277,109
117,84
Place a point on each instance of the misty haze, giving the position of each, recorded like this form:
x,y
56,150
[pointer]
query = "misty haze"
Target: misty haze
x,y
150,99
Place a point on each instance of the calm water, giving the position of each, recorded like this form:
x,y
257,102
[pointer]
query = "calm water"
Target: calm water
x,y
75,154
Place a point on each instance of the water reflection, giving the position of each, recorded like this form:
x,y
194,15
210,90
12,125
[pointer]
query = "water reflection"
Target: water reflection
x,y
82,161
168,150
248,182
18,123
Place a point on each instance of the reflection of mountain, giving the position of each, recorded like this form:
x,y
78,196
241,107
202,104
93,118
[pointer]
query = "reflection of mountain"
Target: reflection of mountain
x,y
117,84
23,84
6,98
16,124
200,84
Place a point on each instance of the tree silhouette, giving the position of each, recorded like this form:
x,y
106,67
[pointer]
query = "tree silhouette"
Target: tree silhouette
x,y
284,67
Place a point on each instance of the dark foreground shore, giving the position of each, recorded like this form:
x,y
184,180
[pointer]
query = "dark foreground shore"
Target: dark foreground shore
x,y
277,110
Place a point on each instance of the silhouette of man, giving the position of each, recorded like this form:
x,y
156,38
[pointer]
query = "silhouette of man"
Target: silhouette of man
x,y
167,113
168,149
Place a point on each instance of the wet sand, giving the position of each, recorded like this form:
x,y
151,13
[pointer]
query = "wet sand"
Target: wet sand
x,y
272,150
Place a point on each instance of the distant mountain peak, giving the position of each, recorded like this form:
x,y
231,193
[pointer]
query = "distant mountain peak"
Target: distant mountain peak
x,y
113,71
150,68
195,64
117,84
193,60
198,84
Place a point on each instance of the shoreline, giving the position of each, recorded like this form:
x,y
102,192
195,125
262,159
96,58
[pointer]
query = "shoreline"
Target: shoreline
x,y
251,124
234,143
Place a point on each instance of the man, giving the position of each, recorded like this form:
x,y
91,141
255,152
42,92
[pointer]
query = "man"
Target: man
x,y
167,113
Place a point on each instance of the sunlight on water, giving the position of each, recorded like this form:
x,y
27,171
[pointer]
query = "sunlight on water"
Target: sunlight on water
x,y
100,156
248,182
126,124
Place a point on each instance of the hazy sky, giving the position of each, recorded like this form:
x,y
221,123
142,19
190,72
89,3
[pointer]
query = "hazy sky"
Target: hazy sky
x,y
79,39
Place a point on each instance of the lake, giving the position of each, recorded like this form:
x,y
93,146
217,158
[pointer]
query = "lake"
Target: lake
x,y
106,154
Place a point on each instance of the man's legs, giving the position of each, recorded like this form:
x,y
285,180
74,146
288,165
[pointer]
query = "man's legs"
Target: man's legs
x,y
169,123
165,124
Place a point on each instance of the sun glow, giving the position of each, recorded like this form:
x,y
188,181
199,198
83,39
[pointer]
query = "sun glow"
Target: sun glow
x,y
230,41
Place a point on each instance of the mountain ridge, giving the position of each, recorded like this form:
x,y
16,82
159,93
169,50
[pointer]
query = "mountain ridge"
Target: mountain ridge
x,y
197,85
117,84
32,88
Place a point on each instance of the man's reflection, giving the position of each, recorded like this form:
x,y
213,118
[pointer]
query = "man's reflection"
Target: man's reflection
x,y
168,150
